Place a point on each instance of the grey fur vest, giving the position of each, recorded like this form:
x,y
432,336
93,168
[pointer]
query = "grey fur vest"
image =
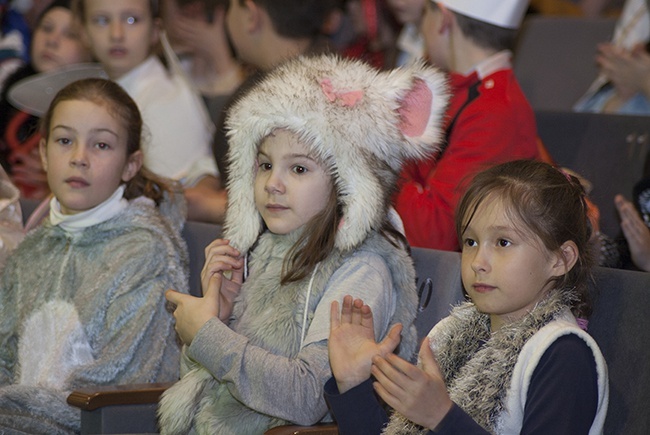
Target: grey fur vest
x,y
270,315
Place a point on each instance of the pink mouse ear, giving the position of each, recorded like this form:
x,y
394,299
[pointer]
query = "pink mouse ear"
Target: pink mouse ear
x,y
415,109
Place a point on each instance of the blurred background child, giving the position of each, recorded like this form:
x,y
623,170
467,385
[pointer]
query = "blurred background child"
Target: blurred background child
x,y
55,44
124,36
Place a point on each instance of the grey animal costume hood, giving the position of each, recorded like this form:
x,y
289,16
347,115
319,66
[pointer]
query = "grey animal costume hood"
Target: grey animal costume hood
x,y
361,122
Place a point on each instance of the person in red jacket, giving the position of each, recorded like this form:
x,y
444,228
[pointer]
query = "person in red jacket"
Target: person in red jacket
x,y
489,120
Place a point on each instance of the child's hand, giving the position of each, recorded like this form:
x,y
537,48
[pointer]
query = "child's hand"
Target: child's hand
x,y
192,313
636,232
419,394
221,257
352,342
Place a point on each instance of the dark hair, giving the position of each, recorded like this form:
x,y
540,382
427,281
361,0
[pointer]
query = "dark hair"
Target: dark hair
x,y
79,9
549,204
484,34
297,18
111,95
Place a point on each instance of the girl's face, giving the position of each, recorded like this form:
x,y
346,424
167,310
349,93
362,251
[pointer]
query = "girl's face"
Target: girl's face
x,y
56,43
407,11
121,33
504,272
290,186
85,155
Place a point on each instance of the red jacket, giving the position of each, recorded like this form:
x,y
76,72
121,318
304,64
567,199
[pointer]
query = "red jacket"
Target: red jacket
x,y
497,126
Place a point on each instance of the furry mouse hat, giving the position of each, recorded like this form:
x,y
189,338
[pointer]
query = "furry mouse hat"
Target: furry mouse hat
x,y
361,123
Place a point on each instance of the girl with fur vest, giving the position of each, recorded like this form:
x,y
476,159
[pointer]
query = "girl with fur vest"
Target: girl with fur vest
x,y
315,152
513,359
82,297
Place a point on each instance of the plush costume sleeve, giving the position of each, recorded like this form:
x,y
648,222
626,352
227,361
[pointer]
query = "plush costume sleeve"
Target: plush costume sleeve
x,y
491,130
8,338
132,335
291,389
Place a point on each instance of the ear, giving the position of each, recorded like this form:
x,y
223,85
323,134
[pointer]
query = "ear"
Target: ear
x,y
447,21
255,16
133,165
83,36
333,22
566,258
42,149
156,28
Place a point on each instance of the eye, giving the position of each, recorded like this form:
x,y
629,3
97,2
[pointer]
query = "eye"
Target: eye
x,y
504,243
63,141
469,242
298,169
102,145
131,20
100,20
46,27
264,166
71,34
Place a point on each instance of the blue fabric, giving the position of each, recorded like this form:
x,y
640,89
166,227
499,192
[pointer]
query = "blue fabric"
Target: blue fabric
x,y
637,105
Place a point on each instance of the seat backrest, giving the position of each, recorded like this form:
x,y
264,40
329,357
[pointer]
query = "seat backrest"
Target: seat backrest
x,y
608,150
620,324
439,286
198,235
555,58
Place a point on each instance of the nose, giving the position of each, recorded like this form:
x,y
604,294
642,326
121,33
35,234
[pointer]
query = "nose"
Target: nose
x,y
480,260
274,183
53,39
117,30
79,159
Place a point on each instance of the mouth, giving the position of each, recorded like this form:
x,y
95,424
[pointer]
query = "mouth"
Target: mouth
x,y
482,288
118,51
48,57
276,207
77,182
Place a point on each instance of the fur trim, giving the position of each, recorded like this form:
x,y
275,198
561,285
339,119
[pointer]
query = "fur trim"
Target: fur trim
x,y
361,122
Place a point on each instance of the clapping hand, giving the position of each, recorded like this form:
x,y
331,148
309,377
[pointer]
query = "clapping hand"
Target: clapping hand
x,y
352,342
418,393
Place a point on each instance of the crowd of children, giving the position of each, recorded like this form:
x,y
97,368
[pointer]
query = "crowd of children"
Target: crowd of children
x,y
328,137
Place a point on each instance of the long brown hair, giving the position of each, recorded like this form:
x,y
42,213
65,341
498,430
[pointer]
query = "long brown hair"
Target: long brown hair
x,y
549,204
120,105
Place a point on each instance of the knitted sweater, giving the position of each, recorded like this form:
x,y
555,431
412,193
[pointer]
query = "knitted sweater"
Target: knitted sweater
x,y
87,310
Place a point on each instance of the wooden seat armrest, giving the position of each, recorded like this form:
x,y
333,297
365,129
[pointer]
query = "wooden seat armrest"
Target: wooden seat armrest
x,y
91,398
319,429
